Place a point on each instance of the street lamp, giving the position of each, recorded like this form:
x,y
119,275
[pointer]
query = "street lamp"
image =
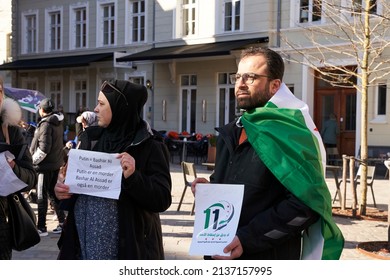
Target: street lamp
x,y
149,84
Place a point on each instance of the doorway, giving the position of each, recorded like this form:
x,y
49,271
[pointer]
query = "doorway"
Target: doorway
x,y
342,102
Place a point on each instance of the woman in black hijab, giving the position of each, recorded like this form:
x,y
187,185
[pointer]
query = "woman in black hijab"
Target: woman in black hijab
x,y
128,228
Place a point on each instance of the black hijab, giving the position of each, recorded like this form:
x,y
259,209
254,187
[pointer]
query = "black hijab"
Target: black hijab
x,y
126,101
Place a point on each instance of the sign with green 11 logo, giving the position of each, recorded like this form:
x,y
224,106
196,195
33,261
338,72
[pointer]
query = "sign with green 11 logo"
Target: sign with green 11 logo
x,y
217,212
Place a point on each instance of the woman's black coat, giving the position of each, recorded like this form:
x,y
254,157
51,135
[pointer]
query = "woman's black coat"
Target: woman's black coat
x,y
143,196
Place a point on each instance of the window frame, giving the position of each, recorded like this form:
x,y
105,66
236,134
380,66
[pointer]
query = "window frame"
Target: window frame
x,y
299,19
80,95
185,21
30,45
377,116
55,93
233,16
357,7
102,40
188,106
54,30
74,27
381,99
139,17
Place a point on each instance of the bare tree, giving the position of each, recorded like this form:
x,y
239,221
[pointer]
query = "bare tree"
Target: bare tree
x,y
354,30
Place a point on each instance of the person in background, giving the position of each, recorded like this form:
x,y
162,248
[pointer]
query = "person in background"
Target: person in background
x,y
78,126
10,133
29,133
67,147
329,131
47,154
130,227
276,152
24,126
87,118
65,125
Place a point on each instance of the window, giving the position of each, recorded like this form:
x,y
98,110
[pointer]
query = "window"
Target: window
x,y
81,27
31,34
55,92
31,84
358,6
381,99
80,92
138,21
108,24
188,85
227,104
55,30
232,12
189,17
310,10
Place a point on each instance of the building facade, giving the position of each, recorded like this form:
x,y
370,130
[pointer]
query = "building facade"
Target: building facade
x,y
5,41
184,51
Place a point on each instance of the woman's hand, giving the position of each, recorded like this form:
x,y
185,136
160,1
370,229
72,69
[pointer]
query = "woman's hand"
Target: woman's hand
x,y
11,163
196,181
61,190
127,164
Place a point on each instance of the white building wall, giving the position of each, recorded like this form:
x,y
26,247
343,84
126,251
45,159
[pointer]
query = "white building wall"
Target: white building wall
x,y
5,30
259,18
165,18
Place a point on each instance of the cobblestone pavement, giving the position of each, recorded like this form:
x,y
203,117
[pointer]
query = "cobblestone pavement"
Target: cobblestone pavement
x,y
177,225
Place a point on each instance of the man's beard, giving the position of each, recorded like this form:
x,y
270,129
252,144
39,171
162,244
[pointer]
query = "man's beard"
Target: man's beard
x,y
256,100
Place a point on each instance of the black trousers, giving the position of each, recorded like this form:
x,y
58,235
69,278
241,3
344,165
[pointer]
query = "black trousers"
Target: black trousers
x,y
327,145
45,190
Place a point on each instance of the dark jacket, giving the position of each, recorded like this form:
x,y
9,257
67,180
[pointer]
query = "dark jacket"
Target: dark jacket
x,y
143,195
24,171
272,218
23,164
48,137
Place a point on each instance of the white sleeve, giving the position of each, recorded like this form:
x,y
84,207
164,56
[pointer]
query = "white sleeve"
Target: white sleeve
x,y
38,156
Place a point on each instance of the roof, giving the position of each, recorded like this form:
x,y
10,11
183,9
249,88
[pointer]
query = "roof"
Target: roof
x,y
190,51
56,62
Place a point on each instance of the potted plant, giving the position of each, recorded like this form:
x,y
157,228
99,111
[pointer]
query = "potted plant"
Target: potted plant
x,y
212,149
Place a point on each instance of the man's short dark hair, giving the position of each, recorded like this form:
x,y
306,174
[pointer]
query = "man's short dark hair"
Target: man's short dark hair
x,y
47,105
275,64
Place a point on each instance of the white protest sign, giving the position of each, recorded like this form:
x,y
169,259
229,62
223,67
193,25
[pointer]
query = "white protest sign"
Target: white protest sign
x,y
217,212
94,173
9,182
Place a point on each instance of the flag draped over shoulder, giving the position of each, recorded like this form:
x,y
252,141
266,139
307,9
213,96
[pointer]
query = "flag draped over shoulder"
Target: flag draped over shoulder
x,y
288,142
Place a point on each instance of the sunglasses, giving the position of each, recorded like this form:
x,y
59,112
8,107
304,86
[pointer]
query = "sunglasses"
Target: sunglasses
x,y
109,88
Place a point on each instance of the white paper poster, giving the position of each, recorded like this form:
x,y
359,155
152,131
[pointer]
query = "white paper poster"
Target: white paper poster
x,y
94,173
217,212
9,182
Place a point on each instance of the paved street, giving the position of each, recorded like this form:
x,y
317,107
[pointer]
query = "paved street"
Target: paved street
x,y
177,226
